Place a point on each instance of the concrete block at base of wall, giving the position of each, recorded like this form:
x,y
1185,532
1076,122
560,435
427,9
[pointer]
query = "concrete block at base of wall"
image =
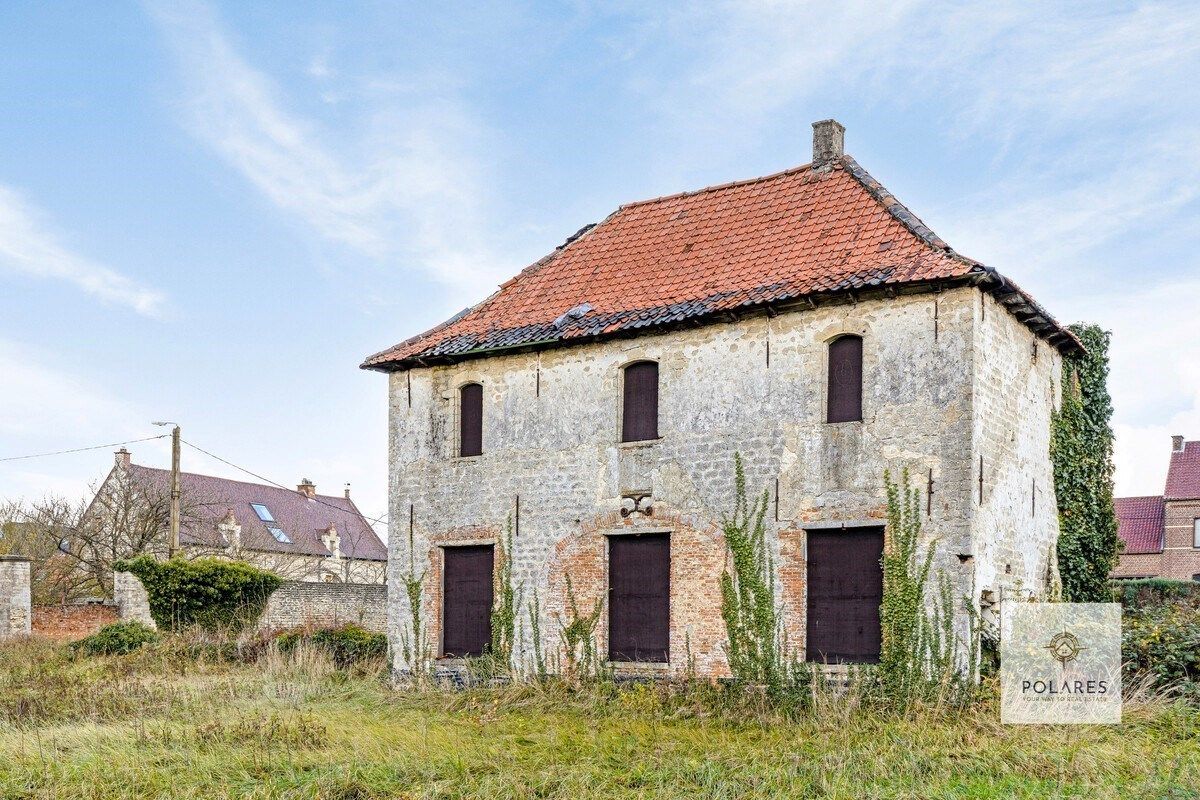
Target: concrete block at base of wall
x,y
320,605
15,612
133,603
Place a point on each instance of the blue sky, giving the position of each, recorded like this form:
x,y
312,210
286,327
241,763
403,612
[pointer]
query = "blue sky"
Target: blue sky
x,y
209,213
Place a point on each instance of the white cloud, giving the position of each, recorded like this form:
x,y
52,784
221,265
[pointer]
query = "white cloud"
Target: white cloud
x,y
409,190
28,247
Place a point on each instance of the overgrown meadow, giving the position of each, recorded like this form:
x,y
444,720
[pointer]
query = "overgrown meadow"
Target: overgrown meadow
x,y
191,716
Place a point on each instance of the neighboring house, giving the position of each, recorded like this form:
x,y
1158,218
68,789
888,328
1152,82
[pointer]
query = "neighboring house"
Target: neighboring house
x,y
1161,534
297,534
806,320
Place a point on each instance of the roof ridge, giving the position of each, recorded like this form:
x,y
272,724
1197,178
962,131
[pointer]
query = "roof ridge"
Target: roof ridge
x,y
716,187
245,483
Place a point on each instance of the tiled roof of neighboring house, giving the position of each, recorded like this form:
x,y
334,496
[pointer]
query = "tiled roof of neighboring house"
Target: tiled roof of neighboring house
x,y
798,235
1183,475
303,519
1140,523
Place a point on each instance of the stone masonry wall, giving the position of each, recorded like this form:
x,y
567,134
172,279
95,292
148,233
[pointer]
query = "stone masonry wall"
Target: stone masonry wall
x,y
15,611
305,604
1014,510
294,604
756,387
131,599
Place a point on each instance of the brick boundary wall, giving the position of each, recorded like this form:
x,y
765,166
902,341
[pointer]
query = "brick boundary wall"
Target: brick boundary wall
x,y
15,611
292,605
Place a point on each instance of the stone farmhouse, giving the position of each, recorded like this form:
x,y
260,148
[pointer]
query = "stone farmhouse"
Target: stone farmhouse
x,y
1161,534
297,534
805,320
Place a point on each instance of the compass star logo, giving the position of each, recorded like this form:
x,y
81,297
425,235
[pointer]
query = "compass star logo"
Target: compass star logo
x,y
1065,648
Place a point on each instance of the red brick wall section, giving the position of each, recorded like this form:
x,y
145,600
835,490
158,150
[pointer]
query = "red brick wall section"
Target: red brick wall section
x,y
69,623
697,561
1138,565
793,572
1180,560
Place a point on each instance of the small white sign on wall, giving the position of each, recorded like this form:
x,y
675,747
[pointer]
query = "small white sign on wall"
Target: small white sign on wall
x,y
1060,663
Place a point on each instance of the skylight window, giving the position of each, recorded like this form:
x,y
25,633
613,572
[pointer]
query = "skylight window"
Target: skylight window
x,y
279,534
263,512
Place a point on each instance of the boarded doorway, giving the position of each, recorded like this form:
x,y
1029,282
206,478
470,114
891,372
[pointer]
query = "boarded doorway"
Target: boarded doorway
x,y
639,597
845,589
466,600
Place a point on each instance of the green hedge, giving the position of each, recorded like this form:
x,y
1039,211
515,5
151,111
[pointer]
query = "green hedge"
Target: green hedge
x,y
347,644
1148,592
205,592
117,639
1164,642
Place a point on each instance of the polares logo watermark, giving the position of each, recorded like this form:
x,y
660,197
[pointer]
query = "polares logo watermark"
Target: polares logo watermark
x,y
1060,663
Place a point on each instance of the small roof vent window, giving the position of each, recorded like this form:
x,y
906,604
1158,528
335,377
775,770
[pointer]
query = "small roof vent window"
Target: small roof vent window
x,y
279,534
574,313
263,512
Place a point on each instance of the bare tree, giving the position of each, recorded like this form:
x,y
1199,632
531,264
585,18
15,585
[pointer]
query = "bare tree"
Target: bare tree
x,y
36,531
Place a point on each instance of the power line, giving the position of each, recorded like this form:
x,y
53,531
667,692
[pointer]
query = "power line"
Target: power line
x,y
82,449
276,483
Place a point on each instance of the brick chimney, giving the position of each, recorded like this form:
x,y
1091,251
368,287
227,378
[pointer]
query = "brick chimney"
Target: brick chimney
x,y
1176,444
829,142
122,458
307,488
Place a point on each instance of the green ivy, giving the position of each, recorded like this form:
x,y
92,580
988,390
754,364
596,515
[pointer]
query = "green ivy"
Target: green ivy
x,y
205,592
504,614
748,591
1081,450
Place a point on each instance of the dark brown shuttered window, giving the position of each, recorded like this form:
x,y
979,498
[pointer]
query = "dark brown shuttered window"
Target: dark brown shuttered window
x,y
470,420
845,588
467,600
639,592
639,413
845,379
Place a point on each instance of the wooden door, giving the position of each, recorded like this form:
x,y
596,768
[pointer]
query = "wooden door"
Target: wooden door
x,y
466,600
845,589
639,597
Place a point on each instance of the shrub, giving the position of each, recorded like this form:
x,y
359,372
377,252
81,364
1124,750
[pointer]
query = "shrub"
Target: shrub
x,y
346,644
205,592
1147,592
1163,642
117,639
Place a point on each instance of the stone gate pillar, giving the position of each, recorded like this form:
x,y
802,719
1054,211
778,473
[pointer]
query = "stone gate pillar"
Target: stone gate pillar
x,y
15,612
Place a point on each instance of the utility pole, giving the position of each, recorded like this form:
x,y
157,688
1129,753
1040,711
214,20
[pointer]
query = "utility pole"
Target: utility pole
x,y
173,544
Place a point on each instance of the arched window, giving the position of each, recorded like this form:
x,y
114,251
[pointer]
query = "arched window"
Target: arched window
x,y
470,420
639,409
845,380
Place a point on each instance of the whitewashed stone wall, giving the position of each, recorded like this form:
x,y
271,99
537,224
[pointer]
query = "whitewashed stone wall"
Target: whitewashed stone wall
x,y
15,612
1015,521
551,430
131,599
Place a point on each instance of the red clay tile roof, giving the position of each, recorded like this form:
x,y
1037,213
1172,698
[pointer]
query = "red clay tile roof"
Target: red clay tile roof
x,y
699,255
1141,523
1183,476
301,518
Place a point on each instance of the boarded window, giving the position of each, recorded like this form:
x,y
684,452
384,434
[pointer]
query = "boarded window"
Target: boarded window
x,y
470,420
639,592
845,379
639,412
467,600
845,589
